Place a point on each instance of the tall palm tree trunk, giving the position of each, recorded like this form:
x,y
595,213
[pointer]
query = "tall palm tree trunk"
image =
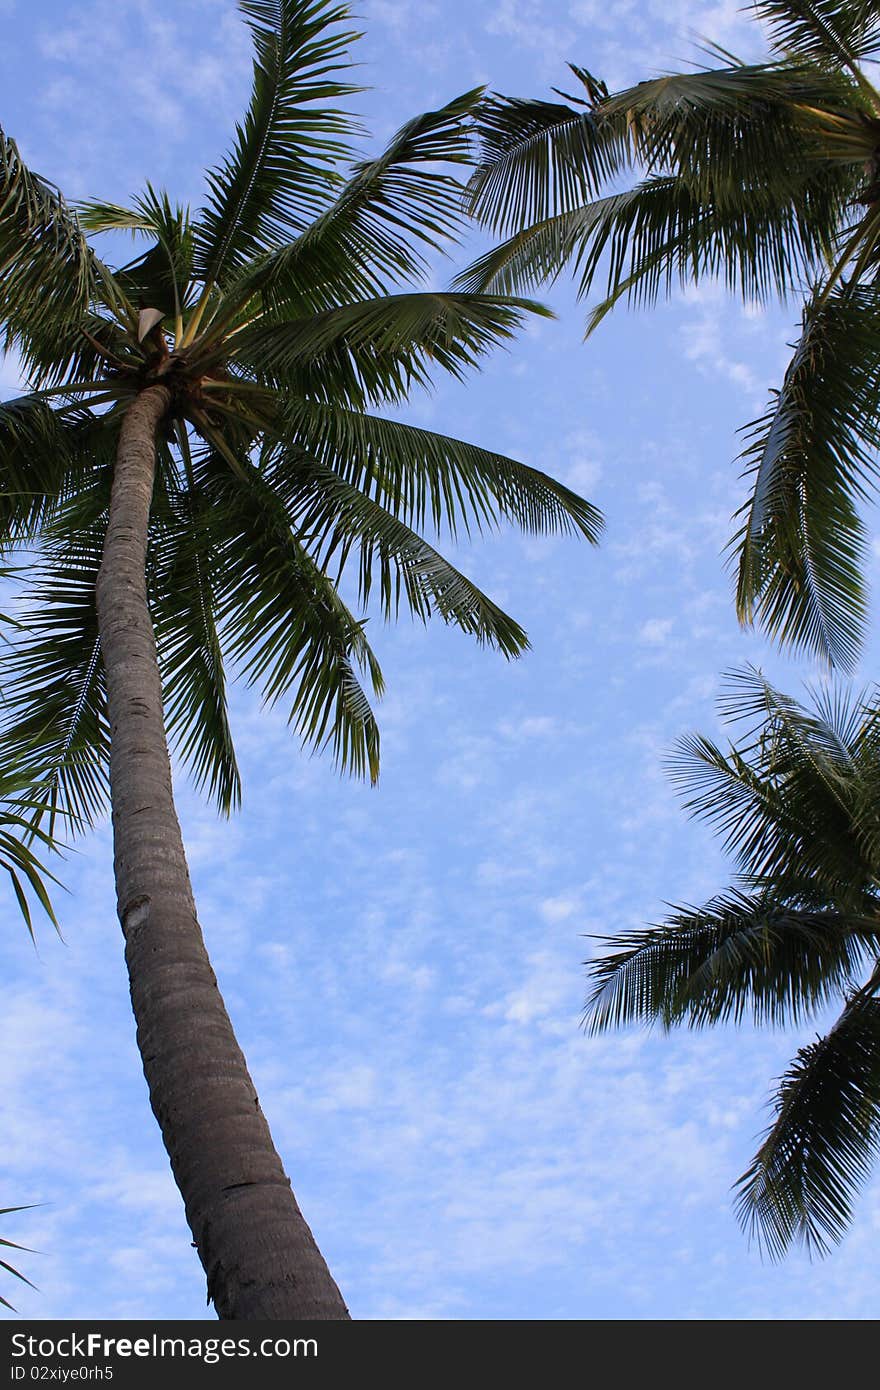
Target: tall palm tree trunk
x,y
259,1255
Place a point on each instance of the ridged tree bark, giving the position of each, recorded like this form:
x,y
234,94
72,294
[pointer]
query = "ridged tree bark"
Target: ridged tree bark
x,y
258,1253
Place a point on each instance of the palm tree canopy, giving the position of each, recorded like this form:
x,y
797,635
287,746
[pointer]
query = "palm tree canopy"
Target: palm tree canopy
x,y
767,177
795,801
281,317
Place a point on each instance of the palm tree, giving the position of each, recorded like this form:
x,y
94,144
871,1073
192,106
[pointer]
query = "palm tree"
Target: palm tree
x,y
795,801
767,177
199,461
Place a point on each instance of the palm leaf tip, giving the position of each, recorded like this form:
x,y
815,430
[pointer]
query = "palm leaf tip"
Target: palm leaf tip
x,y
280,173
822,1144
812,456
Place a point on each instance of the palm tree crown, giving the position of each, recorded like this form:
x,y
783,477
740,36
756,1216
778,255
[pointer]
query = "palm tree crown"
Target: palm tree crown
x,y
269,319
767,177
795,801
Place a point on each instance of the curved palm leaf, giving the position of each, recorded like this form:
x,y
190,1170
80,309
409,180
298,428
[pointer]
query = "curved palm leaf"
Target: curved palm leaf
x,y
48,274
839,33
281,172
376,232
55,702
418,475
814,456
284,623
332,517
46,453
376,350
785,802
740,955
161,277
822,1145
538,158
183,585
20,809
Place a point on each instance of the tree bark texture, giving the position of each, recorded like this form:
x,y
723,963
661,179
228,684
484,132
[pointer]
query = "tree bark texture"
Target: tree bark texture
x,y
258,1253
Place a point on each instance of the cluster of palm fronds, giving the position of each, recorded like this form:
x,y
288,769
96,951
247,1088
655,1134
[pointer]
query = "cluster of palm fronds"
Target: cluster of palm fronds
x,y
767,177
281,316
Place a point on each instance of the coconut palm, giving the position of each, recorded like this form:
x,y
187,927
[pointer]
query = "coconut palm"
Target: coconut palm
x,y
766,177
199,459
795,801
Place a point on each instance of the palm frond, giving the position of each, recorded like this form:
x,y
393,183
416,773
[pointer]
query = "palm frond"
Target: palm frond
x,y
48,274
422,477
182,585
661,234
784,801
746,124
821,1146
538,159
377,350
813,457
53,682
375,234
20,811
281,171
740,955
45,452
332,518
160,277
835,33
282,620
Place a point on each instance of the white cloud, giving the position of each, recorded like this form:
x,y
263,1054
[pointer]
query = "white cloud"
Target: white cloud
x,y
655,631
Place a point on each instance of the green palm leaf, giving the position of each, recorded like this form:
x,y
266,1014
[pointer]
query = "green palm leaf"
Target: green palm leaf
x,y
377,350
540,158
45,453
833,32
281,172
824,1139
657,235
740,955
813,457
48,275
20,810
375,234
332,517
183,585
161,277
420,476
55,702
785,801
284,623
764,176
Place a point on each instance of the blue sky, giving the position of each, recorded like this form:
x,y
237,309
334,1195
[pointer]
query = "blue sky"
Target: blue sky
x,y
404,964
